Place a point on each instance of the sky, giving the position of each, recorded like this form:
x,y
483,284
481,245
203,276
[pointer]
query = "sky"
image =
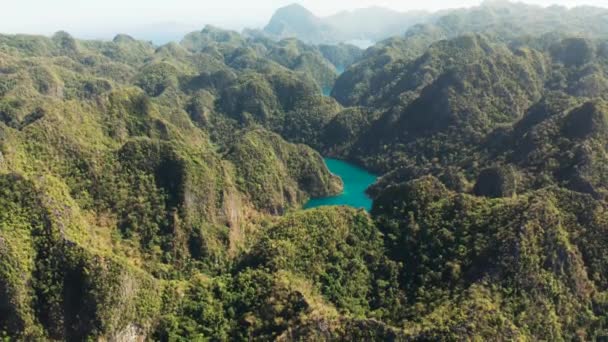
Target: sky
x,y
164,20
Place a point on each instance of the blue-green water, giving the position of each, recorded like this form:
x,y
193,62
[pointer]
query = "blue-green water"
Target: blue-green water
x,y
327,90
356,181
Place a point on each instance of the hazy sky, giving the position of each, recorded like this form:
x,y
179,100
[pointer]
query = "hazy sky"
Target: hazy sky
x,y
104,18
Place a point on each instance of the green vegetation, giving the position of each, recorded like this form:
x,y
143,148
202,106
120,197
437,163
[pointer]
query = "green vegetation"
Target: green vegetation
x,y
118,184
292,282
156,192
471,105
519,267
283,175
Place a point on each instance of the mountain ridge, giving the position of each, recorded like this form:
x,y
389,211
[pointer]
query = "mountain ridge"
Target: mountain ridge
x,y
365,24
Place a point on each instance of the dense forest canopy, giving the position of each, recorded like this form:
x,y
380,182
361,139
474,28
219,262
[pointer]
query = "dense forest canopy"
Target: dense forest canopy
x,y
156,192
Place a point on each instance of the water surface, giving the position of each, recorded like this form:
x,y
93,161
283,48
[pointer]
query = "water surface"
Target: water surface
x,y
355,179
327,90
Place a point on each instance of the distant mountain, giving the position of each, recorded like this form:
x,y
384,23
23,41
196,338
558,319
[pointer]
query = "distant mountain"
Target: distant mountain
x,y
375,23
363,26
296,21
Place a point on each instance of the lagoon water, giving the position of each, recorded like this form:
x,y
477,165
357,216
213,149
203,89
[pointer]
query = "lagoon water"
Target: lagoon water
x,y
356,181
327,90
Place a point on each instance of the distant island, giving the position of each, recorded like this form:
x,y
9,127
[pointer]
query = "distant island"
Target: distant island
x,y
361,27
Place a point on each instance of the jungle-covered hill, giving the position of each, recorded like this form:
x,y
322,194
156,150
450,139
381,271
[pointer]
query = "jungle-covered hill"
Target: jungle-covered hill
x,y
155,192
147,164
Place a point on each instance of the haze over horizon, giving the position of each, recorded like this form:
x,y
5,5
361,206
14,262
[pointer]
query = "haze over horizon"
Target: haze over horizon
x,y
162,21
